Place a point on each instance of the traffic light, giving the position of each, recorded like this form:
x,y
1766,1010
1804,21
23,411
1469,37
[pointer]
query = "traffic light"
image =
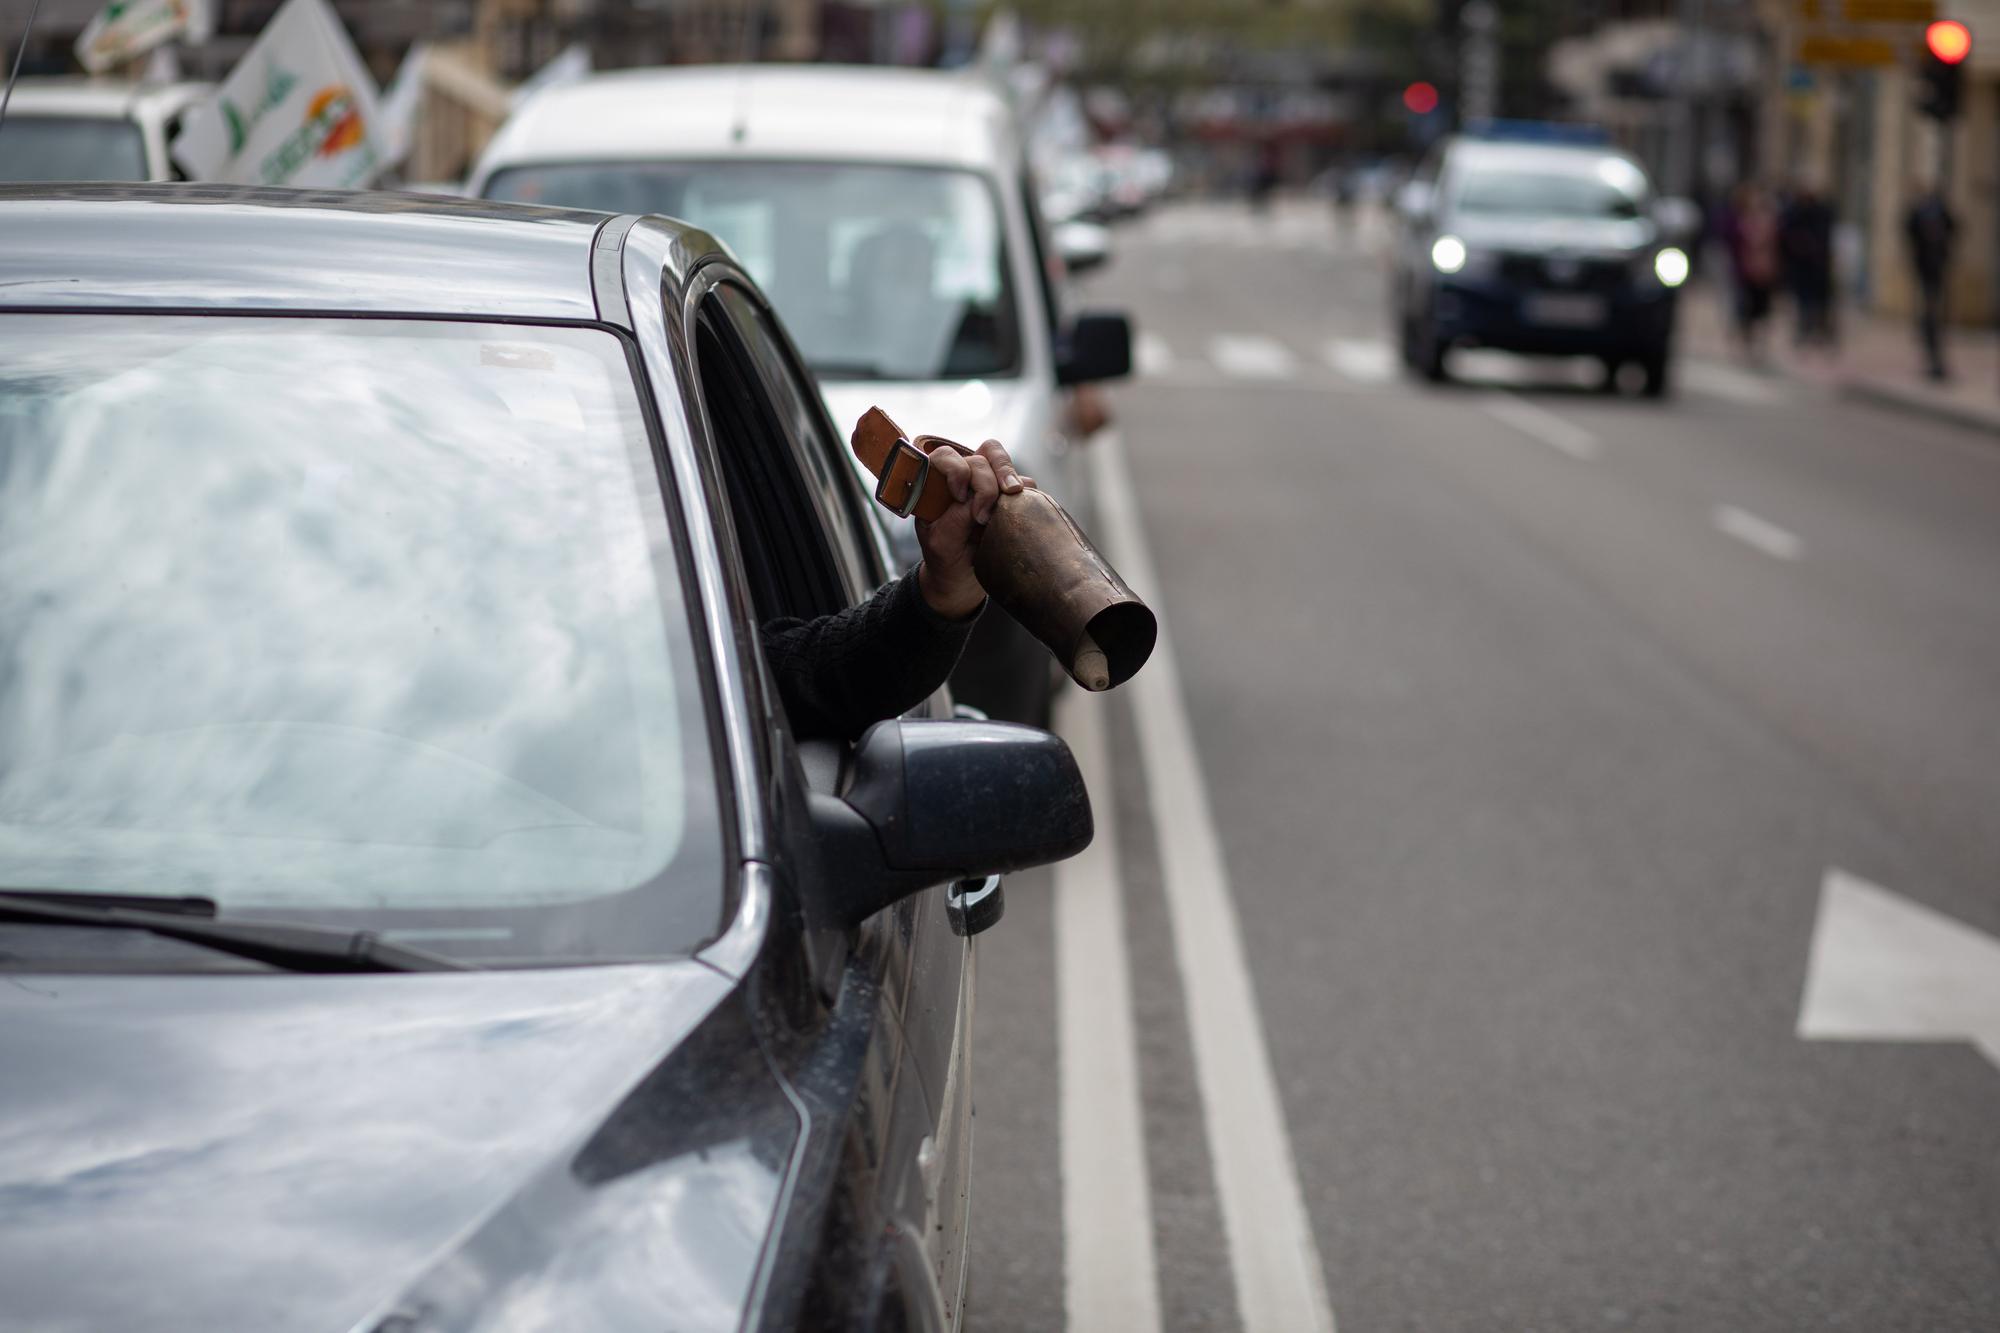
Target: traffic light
x,y
1946,45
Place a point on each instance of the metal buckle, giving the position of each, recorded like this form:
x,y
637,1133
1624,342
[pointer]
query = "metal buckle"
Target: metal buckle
x,y
889,470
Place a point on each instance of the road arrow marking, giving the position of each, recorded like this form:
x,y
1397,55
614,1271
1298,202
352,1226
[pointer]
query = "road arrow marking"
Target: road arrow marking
x,y
1884,968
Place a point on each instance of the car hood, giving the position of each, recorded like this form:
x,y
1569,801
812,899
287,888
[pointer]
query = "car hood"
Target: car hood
x,y
1018,413
1539,235
281,1153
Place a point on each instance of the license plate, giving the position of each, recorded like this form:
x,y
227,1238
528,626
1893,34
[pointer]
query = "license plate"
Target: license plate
x,y
1560,310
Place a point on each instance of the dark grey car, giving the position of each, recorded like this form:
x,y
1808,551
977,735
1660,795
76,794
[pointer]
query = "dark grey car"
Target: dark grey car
x,y
417,912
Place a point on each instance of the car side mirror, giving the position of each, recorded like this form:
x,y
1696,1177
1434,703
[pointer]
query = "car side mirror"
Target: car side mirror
x,y
931,801
1679,220
1095,347
1083,245
1413,202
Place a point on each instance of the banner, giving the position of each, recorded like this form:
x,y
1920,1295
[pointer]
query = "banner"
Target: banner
x,y
299,109
127,29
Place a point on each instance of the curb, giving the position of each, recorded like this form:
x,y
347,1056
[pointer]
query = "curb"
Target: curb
x,y
1920,403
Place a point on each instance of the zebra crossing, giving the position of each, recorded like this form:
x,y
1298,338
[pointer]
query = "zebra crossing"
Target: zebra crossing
x,y
1360,363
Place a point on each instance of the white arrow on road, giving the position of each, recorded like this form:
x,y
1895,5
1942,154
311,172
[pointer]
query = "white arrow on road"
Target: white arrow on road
x,y
1886,969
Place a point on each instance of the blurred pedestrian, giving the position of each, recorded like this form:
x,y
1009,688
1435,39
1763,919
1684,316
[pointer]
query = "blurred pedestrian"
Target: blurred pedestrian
x,y
1751,232
1805,240
1930,228
1264,180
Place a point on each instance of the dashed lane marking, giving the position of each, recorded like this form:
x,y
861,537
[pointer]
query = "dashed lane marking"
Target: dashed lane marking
x,y
1760,533
1540,424
1364,360
1152,356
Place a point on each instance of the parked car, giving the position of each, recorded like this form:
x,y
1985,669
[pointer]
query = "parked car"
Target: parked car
x,y
67,129
891,216
1544,248
435,924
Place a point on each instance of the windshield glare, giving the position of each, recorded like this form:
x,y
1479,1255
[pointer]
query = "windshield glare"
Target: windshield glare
x,y
71,148
1612,190
365,622
880,272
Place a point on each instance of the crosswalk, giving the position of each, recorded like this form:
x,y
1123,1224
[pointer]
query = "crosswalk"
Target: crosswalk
x,y
1356,363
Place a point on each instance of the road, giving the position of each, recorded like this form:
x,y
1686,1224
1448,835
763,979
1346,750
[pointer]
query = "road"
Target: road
x,y
1556,883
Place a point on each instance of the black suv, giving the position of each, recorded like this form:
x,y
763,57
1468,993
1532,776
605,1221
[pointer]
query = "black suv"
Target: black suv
x,y
1553,249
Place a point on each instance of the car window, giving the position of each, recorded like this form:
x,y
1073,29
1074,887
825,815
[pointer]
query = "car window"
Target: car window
x,y
787,554
1610,188
880,272
71,148
368,622
822,460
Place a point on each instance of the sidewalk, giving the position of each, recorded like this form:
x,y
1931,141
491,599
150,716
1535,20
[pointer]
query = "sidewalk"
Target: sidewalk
x,y
1877,360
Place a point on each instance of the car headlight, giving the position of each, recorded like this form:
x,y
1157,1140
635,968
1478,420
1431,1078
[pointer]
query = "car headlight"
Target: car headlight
x,y
1671,266
1448,254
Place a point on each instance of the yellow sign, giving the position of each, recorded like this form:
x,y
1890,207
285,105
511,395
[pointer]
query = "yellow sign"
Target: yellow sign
x,y
1824,50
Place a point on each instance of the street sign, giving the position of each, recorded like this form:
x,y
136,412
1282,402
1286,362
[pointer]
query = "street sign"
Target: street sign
x,y
1886,969
1836,49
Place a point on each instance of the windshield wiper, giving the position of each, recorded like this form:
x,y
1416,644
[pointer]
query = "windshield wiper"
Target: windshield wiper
x,y
287,947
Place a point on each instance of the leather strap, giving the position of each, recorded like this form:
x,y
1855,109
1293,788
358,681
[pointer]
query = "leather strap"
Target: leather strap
x,y
901,466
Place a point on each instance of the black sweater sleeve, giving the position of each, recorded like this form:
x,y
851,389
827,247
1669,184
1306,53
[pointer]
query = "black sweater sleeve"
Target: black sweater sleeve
x,y
839,674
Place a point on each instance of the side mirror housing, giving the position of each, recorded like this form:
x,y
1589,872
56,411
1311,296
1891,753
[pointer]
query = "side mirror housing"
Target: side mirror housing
x,y
1679,220
1096,347
933,801
1414,201
1083,245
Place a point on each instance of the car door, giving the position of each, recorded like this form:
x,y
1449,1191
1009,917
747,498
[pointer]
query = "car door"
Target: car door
x,y
796,504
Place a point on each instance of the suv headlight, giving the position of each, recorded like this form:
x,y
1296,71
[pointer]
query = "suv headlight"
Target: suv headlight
x,y
1448,254
1671,266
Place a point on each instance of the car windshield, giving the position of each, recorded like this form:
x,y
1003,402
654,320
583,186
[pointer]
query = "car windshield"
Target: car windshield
x,y
370,623
880,272
1611,189
71,148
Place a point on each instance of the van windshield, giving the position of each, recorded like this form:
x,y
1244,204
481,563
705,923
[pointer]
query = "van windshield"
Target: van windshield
x,y
880,272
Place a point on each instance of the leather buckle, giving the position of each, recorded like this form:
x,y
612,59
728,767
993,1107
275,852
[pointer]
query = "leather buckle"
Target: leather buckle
x,y
882,480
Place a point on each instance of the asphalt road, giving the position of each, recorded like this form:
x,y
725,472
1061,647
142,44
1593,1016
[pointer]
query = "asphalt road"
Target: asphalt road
x,y
1517,745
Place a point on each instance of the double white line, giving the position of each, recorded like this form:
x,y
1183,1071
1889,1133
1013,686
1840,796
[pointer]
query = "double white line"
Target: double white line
x,y
1111,1275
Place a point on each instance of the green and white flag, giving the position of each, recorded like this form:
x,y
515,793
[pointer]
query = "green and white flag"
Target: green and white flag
x,y
127,29
298,109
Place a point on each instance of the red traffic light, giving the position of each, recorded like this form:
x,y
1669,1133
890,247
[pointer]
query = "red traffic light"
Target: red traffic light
x,y
1422,98
1949,40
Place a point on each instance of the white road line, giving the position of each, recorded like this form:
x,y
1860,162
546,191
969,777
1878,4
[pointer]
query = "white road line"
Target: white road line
x,y
1251,356
1726,382
1152,355
1761,533
1537,423
1280,1285
1110,1278
1364,360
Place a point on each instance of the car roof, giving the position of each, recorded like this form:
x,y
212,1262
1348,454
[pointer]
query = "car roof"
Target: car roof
x,y
810,112
350,252
100,99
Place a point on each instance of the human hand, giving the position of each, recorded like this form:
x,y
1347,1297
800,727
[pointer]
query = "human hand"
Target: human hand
x,y
976,481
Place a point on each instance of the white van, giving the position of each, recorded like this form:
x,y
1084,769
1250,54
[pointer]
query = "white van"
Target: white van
x,y
890,216
69,129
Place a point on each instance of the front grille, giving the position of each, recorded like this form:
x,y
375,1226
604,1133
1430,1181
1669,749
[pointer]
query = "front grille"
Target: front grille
x,y
1557,273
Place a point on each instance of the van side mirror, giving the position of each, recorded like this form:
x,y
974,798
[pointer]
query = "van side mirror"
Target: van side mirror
x,y
932,801
1095,347
1414,202
1083,245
